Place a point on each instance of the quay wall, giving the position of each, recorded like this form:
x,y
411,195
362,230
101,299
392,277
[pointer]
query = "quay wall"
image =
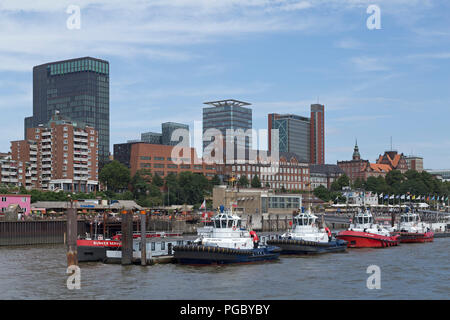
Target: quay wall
x,y
13,233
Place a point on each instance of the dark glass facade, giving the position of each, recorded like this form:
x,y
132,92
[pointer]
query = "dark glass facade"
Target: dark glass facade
x,y
79,90
228,114
293,134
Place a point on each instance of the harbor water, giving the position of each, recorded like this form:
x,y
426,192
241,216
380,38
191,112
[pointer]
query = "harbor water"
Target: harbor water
x,y
409,271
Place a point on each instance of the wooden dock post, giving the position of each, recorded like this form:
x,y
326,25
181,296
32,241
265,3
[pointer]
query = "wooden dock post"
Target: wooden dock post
x,y
143,238
72,254
127,237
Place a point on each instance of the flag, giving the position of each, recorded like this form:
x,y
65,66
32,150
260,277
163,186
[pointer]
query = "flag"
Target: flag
x,y
397,197
402,197
446,199
381,195
408,197
442,199
391,197
428,198
414,197
203,206
432,199
386,197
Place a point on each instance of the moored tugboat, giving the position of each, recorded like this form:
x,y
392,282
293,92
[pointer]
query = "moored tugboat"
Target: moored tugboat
x,y
412,230
305,237
227,242
364,233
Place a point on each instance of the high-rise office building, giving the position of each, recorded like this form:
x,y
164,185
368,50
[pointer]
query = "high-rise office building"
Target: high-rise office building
x,y
300,135
78,89
168,128
317,134
165,138
293,133
230,115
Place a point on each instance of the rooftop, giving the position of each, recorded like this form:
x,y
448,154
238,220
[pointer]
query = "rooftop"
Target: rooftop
x,y
228,102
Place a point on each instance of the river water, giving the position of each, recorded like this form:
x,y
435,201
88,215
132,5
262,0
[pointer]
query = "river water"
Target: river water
x,y
409,271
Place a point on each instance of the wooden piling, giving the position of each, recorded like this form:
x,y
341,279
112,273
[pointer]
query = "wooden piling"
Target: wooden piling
x,y
127,237
72,254
143,238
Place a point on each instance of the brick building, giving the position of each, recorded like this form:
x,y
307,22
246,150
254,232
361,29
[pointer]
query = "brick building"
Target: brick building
x,y
289,172
161,159
363,169
62,155
324,174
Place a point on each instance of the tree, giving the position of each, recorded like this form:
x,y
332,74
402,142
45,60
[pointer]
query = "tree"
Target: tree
x,y
256,183
243,181
140,183
157,180
115,176
215,181
322,193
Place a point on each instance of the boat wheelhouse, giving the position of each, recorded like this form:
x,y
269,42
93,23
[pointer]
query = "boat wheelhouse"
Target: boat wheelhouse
x,y
226,242
412,230
305,237
365,233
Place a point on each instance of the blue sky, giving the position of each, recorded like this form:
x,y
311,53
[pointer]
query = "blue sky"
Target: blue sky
x,y
168,57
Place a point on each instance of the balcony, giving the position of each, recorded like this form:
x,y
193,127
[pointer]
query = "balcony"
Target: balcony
x,y
46,172
80,140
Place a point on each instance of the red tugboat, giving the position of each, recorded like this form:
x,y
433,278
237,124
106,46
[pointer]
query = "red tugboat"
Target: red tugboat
x,y
411,230
363,233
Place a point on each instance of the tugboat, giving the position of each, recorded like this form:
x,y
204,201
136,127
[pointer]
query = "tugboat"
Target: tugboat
x,y
305,237
227,242
411,230
364,233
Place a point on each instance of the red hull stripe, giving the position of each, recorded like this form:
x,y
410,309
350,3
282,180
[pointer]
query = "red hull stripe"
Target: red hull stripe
x,y
99,243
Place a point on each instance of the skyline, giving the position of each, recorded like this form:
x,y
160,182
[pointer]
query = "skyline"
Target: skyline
x,y
281,56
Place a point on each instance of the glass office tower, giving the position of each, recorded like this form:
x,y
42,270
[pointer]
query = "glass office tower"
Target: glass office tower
x,y
79,90
228,114
293,134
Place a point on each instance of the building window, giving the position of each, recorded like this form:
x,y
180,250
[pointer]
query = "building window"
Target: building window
x,y
158,158
146,158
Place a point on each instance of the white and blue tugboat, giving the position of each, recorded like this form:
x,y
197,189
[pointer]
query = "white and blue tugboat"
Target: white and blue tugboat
x,y
227,242
305,237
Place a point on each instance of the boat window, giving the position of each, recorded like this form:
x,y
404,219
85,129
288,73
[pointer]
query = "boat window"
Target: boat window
x,y
217,223
230,223
238,224
163,246
224,223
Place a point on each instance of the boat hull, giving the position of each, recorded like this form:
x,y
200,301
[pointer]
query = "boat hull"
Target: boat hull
x,y
409,237
291,246
358,239
94,250
199,254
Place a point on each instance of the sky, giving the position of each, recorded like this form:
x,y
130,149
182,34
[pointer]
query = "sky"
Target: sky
x,y
168,57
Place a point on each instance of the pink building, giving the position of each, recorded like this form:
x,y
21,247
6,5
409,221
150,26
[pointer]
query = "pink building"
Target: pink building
x,y
23,200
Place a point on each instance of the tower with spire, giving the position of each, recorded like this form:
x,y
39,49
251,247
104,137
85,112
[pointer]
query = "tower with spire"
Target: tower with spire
x,y
356,155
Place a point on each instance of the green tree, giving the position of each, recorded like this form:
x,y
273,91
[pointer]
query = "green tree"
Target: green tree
x,y
215,181
256,183
243,181
140,183
115,176
322,193
157,180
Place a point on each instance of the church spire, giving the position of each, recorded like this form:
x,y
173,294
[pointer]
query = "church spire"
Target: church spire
x,y
356,155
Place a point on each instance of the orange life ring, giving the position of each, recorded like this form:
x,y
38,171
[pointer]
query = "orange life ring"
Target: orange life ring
x,y
234,228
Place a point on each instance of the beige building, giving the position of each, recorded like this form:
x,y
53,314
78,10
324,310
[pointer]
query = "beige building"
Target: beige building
x,y
256,201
